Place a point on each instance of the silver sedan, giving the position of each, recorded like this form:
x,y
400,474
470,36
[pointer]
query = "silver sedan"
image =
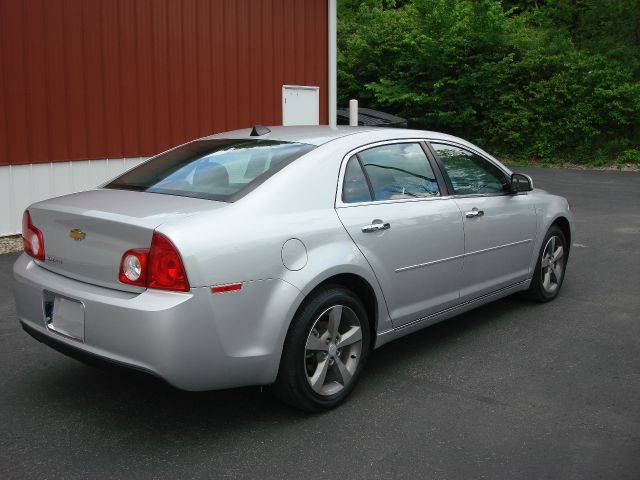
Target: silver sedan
x,y
283,256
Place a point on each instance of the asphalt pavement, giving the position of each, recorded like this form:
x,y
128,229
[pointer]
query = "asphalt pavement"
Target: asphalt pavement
x,y
511,390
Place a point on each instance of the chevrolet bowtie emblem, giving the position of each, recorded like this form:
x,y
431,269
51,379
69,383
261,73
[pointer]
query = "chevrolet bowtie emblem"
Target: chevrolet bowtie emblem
x,y
77,235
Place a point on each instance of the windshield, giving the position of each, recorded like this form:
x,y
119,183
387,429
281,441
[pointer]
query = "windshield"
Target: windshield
x,y
224,170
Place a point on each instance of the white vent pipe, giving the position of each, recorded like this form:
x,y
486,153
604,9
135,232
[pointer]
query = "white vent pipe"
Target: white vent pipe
x,y
353,113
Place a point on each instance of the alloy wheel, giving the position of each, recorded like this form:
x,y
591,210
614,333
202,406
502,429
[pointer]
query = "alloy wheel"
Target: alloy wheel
x,y
333,350
552,264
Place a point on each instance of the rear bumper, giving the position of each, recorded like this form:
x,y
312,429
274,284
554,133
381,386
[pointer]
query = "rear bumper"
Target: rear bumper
x,y
193,340
77,353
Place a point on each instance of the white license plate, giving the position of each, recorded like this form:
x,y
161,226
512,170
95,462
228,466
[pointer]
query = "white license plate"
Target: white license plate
x,y
67,318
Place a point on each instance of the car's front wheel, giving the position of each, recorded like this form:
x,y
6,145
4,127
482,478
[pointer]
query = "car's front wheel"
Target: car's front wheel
x,y
325,350
550,267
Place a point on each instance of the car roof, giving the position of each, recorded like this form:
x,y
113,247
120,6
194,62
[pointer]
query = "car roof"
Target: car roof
x,y
321,134
313,135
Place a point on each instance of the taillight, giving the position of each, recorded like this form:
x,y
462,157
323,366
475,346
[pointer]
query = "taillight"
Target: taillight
x,y
133,267
165,270
32,238
157,267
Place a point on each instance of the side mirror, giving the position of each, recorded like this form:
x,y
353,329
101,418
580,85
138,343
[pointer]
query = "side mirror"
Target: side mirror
x,y
521,183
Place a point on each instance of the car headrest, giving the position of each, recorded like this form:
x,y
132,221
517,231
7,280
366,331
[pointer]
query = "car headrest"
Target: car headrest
x,y
209,175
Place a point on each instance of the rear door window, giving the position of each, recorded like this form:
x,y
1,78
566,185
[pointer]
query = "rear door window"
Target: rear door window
x,y
399,170
355,186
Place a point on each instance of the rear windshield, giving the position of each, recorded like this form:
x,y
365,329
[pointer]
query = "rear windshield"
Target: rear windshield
x,y
224,170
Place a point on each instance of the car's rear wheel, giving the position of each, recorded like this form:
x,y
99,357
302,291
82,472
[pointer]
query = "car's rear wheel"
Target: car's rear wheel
x,y
550,267
325,350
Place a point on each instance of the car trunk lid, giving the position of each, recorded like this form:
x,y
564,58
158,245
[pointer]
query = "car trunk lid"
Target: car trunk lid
x,y
86,234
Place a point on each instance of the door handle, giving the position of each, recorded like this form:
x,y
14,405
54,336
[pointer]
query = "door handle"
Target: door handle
x,y
474,213
376,227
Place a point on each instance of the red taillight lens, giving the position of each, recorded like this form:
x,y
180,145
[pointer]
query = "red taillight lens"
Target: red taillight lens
x,y
159,267
32,238
133,267
165,270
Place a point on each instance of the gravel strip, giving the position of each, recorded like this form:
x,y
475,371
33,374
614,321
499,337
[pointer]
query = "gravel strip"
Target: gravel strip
x,y
12,243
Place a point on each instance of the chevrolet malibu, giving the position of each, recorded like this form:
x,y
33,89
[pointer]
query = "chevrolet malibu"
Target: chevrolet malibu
x,y
283,256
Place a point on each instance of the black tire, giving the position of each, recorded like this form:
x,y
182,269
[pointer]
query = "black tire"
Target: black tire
x,y
538,291
293,385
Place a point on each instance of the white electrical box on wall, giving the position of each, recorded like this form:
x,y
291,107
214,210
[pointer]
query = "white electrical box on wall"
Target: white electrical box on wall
x,y
300,105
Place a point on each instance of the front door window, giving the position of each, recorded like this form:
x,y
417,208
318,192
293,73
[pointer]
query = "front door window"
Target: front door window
x,y
470,174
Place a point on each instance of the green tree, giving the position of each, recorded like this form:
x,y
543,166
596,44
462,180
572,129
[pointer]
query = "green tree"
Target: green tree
x,y
544,79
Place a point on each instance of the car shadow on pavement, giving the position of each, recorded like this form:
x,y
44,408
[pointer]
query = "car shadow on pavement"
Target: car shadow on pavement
x,y
439,334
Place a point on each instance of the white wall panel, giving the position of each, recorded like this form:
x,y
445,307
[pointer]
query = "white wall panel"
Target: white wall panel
x,y
5,200
80,176
98,172
22,193
41,184
22,185
61,178
115,167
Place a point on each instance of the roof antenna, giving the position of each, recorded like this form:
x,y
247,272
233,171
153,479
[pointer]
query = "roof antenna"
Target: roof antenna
x,y
259,130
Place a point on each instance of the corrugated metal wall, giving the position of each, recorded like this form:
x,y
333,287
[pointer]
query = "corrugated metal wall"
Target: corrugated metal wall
x,y
96,79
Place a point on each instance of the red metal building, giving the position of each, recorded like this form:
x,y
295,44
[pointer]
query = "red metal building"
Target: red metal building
x,y
88,82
